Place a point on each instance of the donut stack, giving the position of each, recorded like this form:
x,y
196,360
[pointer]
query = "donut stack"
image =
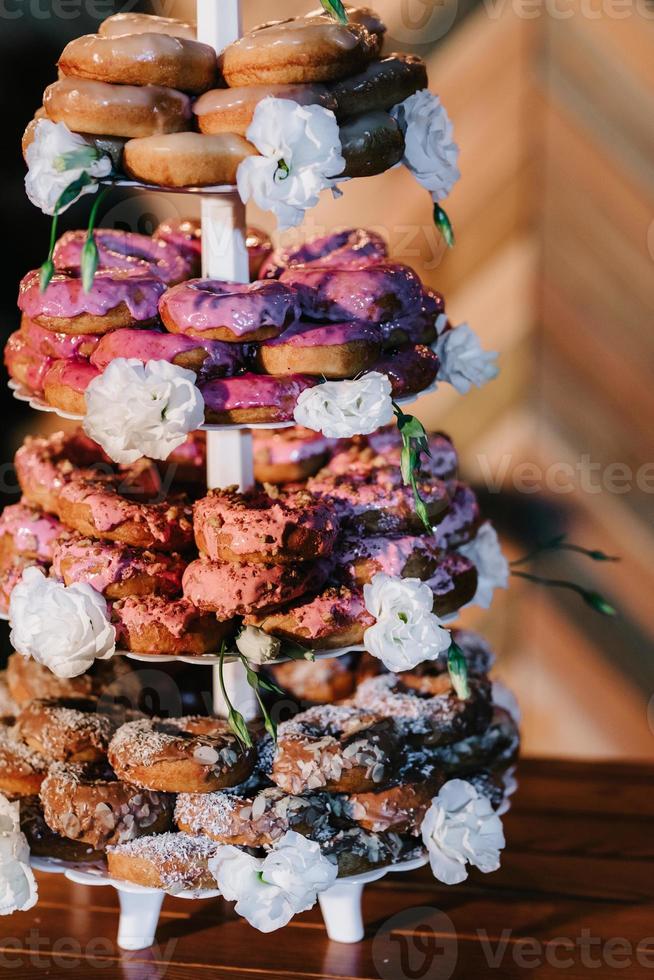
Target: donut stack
x,y
171,112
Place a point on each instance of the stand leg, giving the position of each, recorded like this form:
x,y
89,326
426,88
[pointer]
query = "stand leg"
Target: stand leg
x,y
219,24
224,252
139,916
229,459
341,909
238,690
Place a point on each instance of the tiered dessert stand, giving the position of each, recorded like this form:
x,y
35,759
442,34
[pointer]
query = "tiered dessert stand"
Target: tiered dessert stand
x,y
229,463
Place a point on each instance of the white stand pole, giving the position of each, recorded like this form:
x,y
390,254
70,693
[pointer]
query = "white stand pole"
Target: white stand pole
x,y
341,909
219,22
224,252
139,916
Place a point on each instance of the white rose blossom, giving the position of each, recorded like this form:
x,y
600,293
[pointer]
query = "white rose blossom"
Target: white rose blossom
x,y
461,828
493,570
407,631
18,888
341,409
463,361
269,891
430,153
300,155
65,628
57,158
135,409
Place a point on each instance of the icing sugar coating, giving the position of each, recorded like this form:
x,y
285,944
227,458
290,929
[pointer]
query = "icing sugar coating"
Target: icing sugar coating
x,y
106,563
303,333
374,294
145,345
203,304
60,346
354,248
125,251
256,391
32,532
25,365
462,520
66,298
289,445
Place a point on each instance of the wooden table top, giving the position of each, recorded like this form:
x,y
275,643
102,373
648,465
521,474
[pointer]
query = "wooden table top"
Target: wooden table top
x,y
574,898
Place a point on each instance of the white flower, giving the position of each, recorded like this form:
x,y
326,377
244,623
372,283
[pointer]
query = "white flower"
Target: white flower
x,y
256,646
135,409
492,567
300,151
341,409
65,628
269,891
430,153
464,362
406,632
56,158
460,828
18,889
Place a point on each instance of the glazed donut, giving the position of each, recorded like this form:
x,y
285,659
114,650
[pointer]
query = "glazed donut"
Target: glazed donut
x,y
66,729
22,770
208,358
462,521
185,234
173,862
378,501
186,159
97,509
24,365
434,719
28,531
58,346
370,144
115,569
116,299
306,49
496,748
334,747
229,311
44,842
399,808
45,464
229,589
28,680
256,527
414,328
127,111
408,556
380,86
230,110
373,294
119,24
181,755
250,820
160,625
85,802
253,398
333,619
125,251
410,370
354,248
141,59
8,707
288,455
331,350
65,384
109,145
355,15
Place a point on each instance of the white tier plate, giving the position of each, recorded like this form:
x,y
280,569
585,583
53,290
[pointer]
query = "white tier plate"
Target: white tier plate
x,y
214,190
212,659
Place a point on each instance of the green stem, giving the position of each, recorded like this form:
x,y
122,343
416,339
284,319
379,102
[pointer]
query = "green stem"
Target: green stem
x,y
235,719
559,544
591,598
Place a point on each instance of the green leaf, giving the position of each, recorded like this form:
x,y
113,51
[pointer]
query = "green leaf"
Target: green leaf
x,y
46,272
336,10
79,159
237,723
444,225
591,598
599,604
458,671
72,192
90,260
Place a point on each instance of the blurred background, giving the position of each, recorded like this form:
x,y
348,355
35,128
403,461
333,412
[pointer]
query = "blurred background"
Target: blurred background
x,y
552,103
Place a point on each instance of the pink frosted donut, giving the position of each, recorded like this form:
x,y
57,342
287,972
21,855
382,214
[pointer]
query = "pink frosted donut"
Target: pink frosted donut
x,y
253,398
187,465
11,572
462,521
210,358
58,346
335,618
230,311
116,570
158,624
186,235
28,531
442,463
45,465
374,294
24,365
116,299
125,251
230,589
331,350
65,384
409,370
288,455
354,248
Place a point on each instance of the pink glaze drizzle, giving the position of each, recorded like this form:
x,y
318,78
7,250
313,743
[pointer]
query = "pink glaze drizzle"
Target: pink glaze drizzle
x,y
32,531
204,304
104,563
124,251
375,294
57,345
66,298
146,345
303,333
256,391
76,374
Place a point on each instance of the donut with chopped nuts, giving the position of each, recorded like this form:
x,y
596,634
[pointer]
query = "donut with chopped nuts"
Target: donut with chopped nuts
x,y
356,850
180,755
44,842
174,862
288,455
160,625
66,729
116,570
85,802
22,770
250,820
334,747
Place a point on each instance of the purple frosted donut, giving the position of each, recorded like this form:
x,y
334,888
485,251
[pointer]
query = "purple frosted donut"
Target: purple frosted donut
x,y
415,328
354,248
410,370
210,358
460,524
375,294
329,350
384,449
253,398
230,311
126,251
185,234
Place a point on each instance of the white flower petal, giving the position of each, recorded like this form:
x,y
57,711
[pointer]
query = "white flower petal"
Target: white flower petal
x,y
493,571
430,152
44,182
406,632
341,409
463,361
